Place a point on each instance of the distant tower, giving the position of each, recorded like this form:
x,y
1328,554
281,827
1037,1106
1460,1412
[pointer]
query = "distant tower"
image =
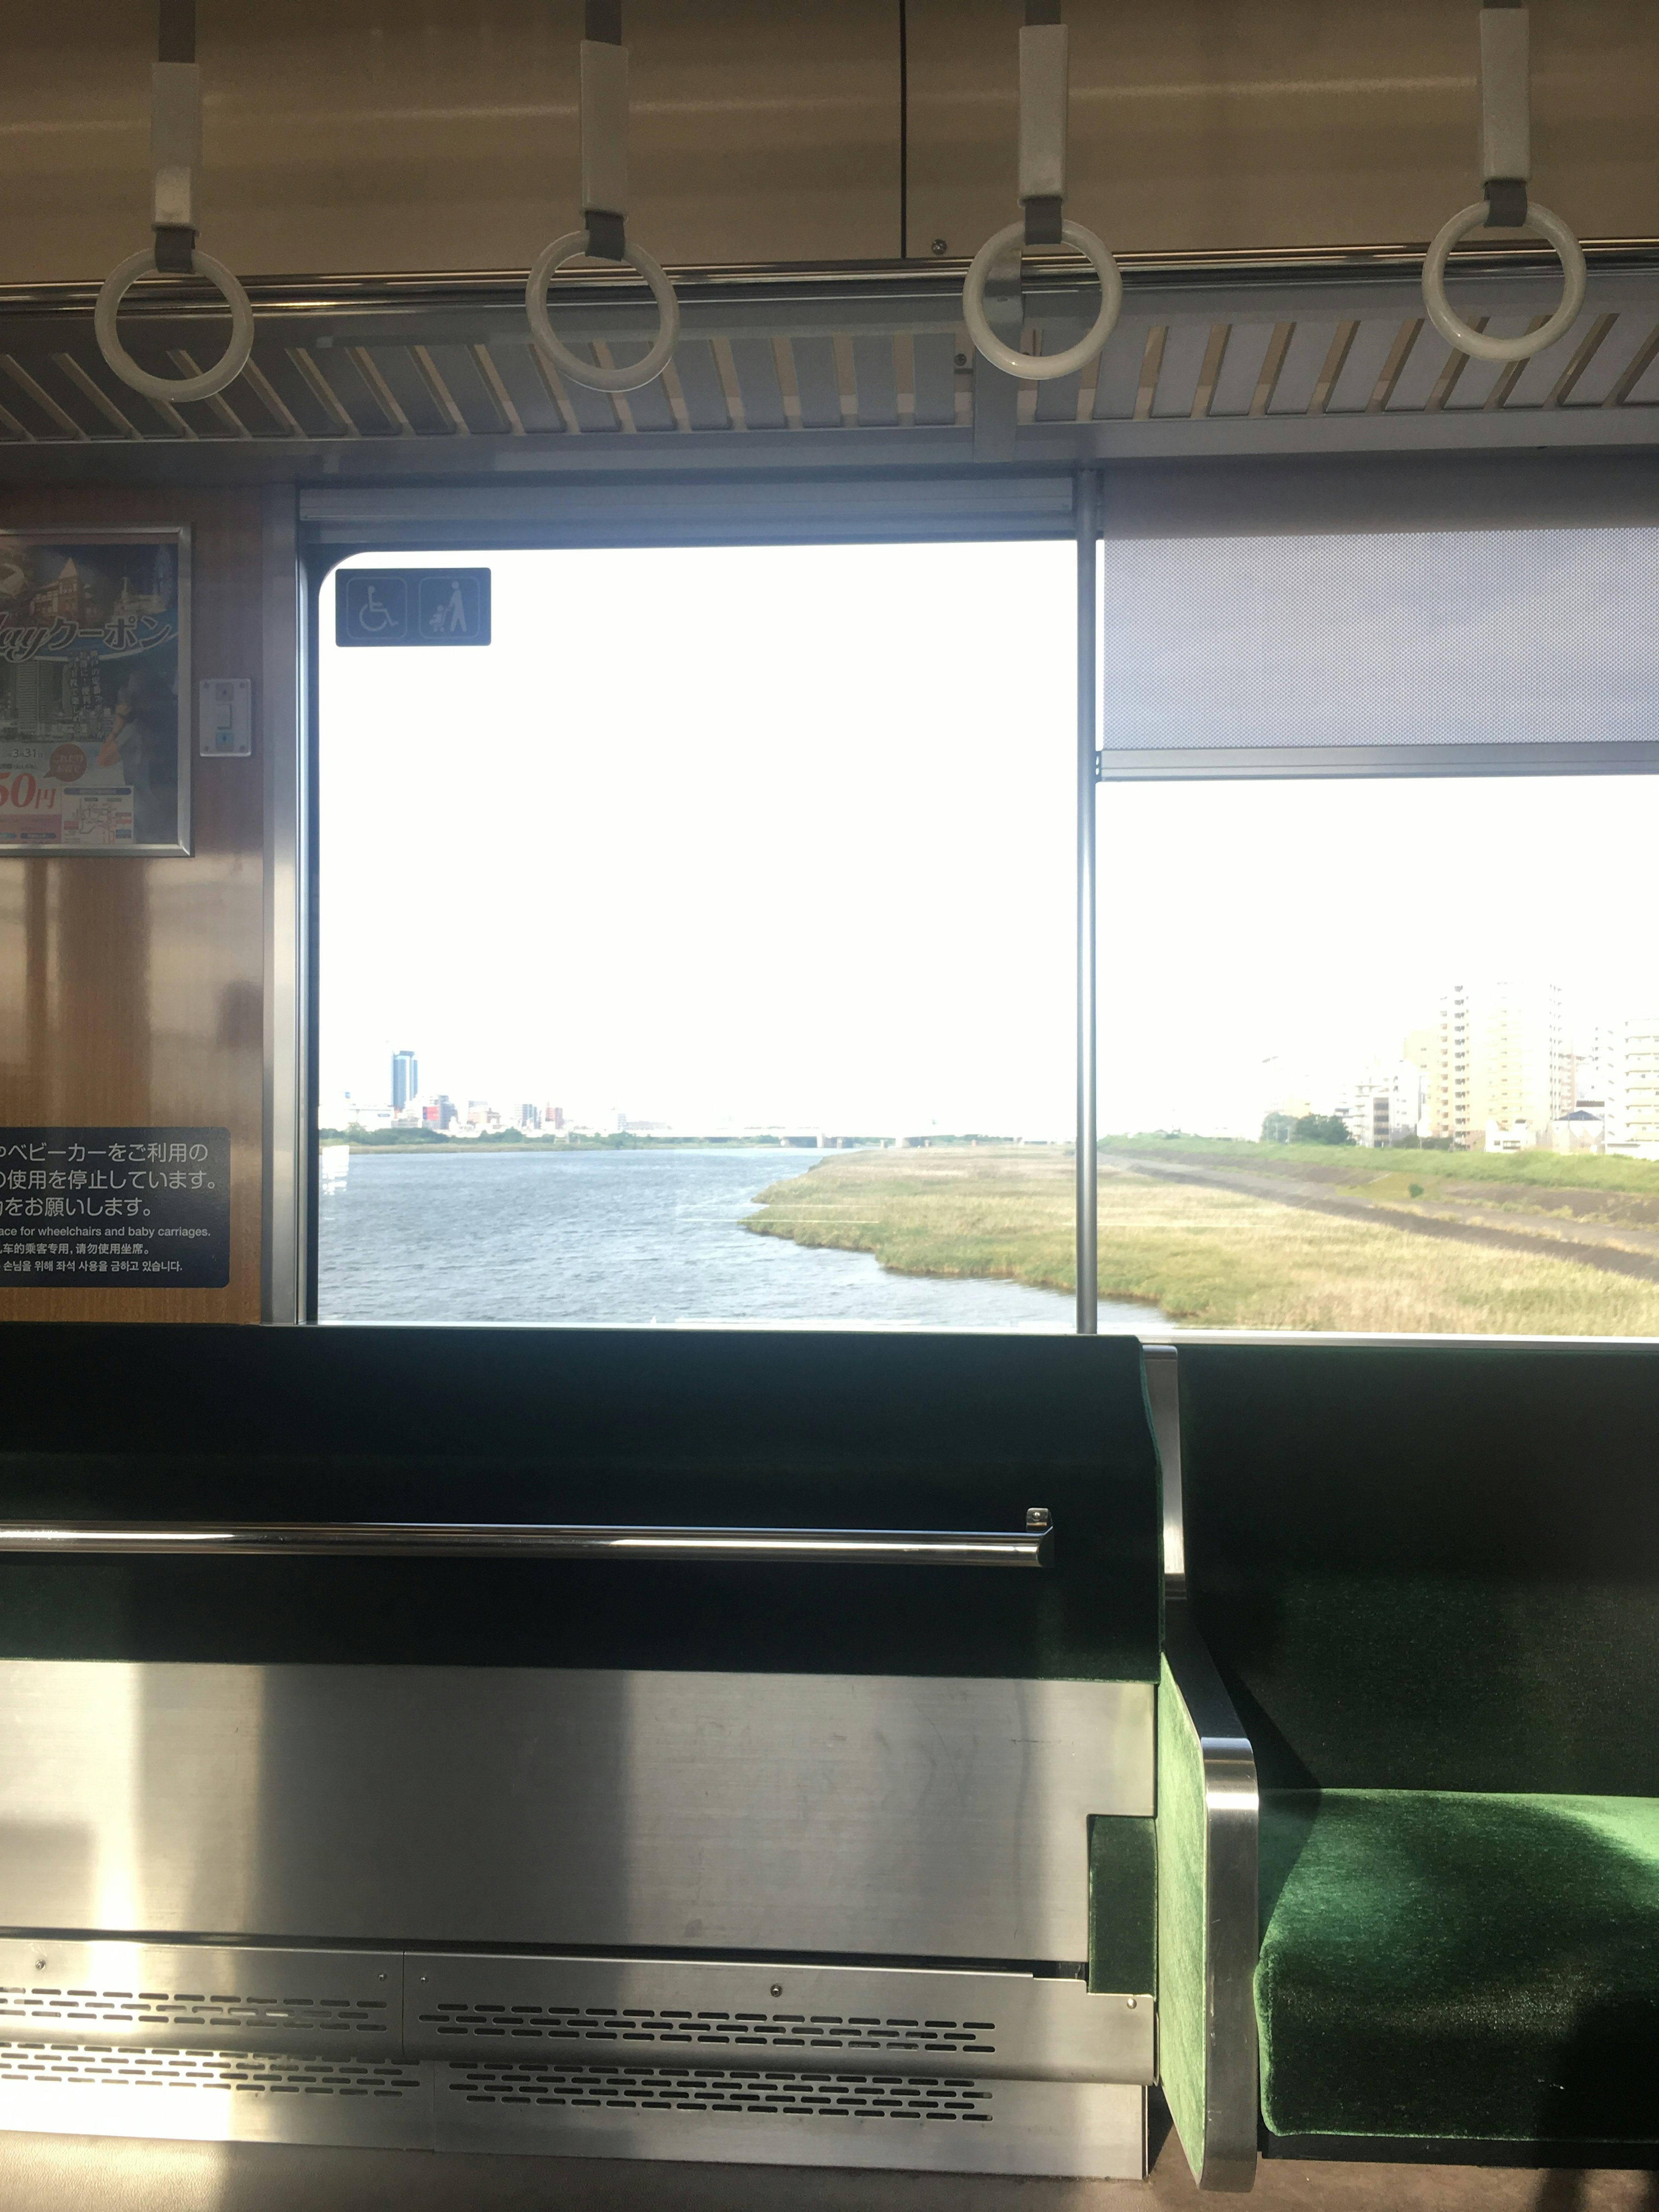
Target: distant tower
x,y
405,1079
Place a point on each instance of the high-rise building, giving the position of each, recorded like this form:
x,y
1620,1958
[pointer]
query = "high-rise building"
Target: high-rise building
x,y
1632,1105
1501,1058
405,1079
1386,1103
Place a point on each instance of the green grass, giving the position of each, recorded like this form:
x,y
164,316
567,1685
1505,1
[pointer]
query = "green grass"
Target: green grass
x,y
1204,1256
1554,1171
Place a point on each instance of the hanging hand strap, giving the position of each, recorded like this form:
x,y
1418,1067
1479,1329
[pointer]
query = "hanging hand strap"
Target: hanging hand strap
x,y
1505,173
175,153
1044,89
1045,100
604,236
175,138
604,130
1505,113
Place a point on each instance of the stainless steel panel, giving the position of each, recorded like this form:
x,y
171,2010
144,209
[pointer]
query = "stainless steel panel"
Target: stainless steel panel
x,y
1032,1546
178,1996
214,2096
840,1815
1070,2128
755,2016
1164,1402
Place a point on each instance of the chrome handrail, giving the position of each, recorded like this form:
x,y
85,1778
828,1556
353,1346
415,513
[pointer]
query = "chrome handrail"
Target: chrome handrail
x,y
1031,1547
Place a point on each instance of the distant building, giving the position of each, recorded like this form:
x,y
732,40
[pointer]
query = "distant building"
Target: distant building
x,y
1584,1130
448,1113
1386,1104
1632,1099
405,1080
1517,1137
1502,1057
555,1115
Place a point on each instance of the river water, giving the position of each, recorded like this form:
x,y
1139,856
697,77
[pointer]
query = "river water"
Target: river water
x,y
623,1236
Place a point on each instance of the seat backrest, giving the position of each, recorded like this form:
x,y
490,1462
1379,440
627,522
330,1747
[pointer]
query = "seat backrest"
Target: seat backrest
x,y
732,1427
1430,1566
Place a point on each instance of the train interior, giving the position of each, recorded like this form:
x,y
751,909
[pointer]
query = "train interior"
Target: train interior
x,y
1002,1550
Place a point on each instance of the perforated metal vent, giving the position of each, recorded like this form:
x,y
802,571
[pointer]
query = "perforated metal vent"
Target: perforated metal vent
x,y
716,2089
77,2066
591,2025
216,2014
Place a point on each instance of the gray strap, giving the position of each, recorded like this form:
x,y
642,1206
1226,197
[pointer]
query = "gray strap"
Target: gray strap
x,y
607,234
1044,217
1506,203
177,39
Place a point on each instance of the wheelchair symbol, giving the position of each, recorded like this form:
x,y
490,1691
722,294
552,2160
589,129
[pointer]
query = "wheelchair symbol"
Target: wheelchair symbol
x,y
372,615
378,609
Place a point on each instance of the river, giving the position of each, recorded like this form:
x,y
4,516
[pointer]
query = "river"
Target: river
x,y
623,1236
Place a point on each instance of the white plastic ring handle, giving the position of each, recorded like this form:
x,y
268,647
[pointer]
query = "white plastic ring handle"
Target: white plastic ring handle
x,y
636,373
173,389
1450,324
1041,367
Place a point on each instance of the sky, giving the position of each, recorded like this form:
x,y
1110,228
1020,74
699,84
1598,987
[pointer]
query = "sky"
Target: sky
x,y
786,835
709,836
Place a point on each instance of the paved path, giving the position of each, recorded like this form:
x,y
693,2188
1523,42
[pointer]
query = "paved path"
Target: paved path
x,y
1590,1245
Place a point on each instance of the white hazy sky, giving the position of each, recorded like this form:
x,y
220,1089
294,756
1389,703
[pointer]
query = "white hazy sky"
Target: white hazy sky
x,y
747,834
786,833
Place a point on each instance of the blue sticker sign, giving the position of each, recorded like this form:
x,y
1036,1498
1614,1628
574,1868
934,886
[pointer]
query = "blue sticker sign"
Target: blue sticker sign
x,y
411,607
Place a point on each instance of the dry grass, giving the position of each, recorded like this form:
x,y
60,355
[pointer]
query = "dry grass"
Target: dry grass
x,y
1208,1257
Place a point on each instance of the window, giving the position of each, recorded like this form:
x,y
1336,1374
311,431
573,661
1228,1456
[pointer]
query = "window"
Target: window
x,y
702,950
1371,1036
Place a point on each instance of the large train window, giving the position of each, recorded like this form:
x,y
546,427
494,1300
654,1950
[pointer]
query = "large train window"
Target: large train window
x,y
1379,1007
702,950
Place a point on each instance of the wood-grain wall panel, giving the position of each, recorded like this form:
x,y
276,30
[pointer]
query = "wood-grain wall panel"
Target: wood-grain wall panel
x,y
1208,127
380,136
132,991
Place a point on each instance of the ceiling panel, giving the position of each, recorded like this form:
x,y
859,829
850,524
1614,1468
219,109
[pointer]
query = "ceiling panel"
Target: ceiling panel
x,y
378,136
1211,127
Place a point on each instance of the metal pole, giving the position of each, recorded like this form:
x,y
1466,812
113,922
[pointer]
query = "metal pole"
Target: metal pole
x,y
1088,533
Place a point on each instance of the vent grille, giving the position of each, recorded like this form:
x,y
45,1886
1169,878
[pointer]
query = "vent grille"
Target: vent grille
x,y
605,2025
268,2075
716,2089
215,2013
434,373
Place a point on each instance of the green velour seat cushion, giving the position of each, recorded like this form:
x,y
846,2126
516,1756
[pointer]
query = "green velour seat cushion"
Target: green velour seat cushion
x,y
1480,1967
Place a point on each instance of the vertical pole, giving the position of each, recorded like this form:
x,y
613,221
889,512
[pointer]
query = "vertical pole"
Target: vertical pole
x,y
1087,504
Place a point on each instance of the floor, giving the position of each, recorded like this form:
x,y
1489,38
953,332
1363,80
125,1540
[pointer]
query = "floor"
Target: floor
x,y
68,2173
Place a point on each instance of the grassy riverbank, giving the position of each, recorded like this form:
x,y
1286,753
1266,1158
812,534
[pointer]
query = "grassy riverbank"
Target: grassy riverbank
x,y
1206,1256
1358,1169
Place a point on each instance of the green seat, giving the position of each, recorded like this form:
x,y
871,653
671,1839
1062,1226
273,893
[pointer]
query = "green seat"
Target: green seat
x,y
1459,1964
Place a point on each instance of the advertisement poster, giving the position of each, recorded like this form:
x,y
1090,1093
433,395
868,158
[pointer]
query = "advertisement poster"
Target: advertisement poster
x,y
95,752
115,1209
